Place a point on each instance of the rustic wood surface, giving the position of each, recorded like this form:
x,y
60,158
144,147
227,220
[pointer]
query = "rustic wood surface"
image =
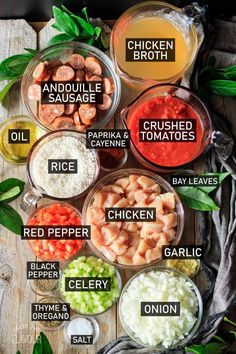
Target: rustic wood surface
x,y
17,332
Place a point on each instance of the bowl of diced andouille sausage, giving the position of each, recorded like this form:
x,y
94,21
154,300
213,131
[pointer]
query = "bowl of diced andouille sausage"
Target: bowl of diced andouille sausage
x,y
67,62
131,244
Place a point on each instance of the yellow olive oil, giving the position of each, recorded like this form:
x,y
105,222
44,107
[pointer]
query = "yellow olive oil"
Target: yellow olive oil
x,y
17,151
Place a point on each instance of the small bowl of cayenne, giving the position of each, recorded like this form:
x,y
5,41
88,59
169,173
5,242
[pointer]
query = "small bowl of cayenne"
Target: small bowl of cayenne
x,y
152,144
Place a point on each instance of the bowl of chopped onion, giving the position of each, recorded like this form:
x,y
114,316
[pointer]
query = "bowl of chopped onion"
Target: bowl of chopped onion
x,y
161,308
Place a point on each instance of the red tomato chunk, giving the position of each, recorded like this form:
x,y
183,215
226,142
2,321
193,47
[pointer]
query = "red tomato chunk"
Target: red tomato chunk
x,y
60,215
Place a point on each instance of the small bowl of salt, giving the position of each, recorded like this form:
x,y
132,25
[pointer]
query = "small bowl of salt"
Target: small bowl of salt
x,y
81,331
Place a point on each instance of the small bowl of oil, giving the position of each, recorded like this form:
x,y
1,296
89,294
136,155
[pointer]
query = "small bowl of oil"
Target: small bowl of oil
x,y
17,135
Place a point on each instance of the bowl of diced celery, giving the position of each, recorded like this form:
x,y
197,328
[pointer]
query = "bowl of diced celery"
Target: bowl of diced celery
x,y
91,302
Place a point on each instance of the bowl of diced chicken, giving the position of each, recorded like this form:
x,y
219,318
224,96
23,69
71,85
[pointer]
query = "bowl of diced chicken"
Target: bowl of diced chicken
x,y
130,244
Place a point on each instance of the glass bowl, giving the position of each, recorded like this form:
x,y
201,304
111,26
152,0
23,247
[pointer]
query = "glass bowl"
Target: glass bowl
x,y
53,329
182,94
183,342
90,314
18,152
170,263
165,187
94,324
121,163
61,52
44,140
39,292
48,258
152,9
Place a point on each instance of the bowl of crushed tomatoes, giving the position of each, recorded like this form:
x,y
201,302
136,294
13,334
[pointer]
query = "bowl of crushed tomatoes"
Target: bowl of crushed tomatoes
x,y
170,127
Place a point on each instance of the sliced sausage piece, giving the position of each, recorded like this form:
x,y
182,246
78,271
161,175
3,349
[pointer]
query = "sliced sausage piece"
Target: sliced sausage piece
x,y
95,78
108,85
54,63
40,71
79,75
81,128
87,113
67,64
88,76
93,65
70,108
63,123
64,73
77,118
78,124
76,61
45,114
34,92
107,101
47,76
48,112
57,109
54,74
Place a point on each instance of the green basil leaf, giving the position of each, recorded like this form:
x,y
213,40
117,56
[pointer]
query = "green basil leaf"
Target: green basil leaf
x,y
4,77
229,72
225,88
227,320
196,199
89,41
233,333
18,352
7,88
86,29
9,183
222,176
46,346
56,27
33,52
60,38
215,348
104,40
10,219
97,32
15,64
65,22
37,349
12,193
66,10
85,14
197,349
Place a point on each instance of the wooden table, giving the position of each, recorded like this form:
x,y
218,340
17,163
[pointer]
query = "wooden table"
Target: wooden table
x,y
17,332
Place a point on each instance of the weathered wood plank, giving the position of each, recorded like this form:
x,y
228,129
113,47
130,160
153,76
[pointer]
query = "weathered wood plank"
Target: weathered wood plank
x,y
46,33
17,330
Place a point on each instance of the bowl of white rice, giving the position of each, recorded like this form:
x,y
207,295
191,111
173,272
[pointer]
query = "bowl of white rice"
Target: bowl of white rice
x,y
161,308
62,147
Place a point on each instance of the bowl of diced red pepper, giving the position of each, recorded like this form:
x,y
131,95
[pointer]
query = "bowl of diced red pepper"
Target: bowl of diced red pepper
x,y
59,214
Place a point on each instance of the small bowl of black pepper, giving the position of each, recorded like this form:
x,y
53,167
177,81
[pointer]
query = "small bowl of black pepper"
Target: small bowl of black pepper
x,y
44,287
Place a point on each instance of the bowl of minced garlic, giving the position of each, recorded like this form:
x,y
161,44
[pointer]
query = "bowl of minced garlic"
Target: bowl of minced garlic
x,y
189,267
